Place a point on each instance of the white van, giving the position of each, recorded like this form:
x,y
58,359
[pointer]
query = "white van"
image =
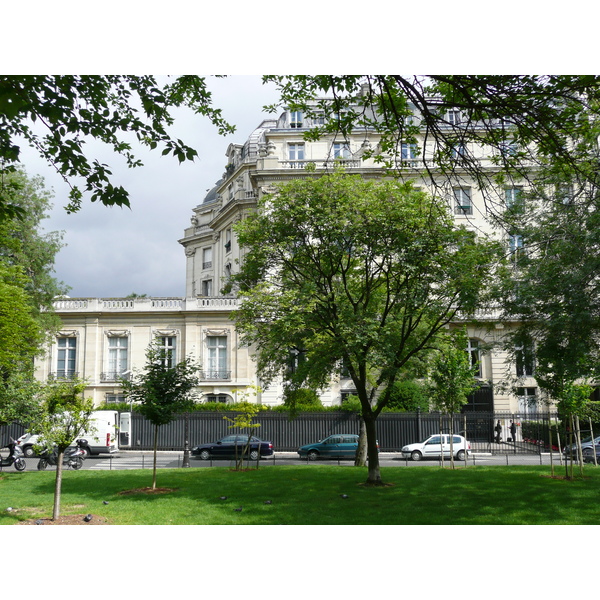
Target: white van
x,y
103,439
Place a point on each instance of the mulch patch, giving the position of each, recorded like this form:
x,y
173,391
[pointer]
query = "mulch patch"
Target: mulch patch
x,y
148,490
67,520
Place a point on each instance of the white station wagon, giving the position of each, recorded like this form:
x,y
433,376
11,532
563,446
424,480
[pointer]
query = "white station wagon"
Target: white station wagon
x,y
434,445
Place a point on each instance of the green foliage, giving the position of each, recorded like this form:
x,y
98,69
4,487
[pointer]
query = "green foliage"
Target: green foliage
x,y
66,414
452,378
358,272
297,400
21,334
408,396
160,390
20,398
57,115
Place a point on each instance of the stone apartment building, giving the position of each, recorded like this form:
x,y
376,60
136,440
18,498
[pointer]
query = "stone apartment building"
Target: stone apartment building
x,y
103,339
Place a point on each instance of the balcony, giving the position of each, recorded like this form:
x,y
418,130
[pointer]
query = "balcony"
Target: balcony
x,y
65,375
215,375
110,305
114,377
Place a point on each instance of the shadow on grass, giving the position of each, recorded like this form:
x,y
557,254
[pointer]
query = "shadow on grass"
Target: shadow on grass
x,y
320,495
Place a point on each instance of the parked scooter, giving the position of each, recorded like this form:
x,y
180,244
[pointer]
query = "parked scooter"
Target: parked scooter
x,y
15,457
72,459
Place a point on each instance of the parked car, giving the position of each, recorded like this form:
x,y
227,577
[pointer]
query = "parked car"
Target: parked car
x,y
586,443
434,445
226,448
588,454
342,445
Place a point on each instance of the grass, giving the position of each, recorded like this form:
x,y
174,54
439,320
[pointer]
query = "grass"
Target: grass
x,y
311,495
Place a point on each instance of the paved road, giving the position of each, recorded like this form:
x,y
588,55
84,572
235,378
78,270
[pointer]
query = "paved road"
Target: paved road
x,y
165,460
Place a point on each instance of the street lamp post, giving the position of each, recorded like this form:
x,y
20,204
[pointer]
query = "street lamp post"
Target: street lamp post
x,y
186,442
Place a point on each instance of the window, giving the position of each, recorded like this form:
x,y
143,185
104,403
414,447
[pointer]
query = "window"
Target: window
x,y
462,201
67,352
508,148
408,151
207,258
207,287
564,193
168,345
475,355
319,119
454,117
295,119
528,399
296,151
458,151
217,357
114,398
223,398
516,245
525,361
341,150
512,196
228,240
117,357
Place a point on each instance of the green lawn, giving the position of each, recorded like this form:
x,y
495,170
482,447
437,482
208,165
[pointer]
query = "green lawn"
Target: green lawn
x,y
311,494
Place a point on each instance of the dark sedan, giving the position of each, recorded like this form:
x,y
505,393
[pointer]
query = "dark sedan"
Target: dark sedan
x,y
226,448
588,454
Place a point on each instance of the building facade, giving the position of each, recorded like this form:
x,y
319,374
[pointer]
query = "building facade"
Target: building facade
x,y
103,340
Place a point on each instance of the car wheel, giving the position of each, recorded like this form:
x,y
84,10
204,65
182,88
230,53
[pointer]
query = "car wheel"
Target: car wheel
x,y
204,454
312,455
416,455
28,451
254,454
460,455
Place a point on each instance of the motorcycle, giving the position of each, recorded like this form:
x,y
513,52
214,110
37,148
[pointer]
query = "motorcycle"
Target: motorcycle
x,y
15,457
72,459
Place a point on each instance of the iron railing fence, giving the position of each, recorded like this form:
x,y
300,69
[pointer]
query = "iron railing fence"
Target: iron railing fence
x,y
394,430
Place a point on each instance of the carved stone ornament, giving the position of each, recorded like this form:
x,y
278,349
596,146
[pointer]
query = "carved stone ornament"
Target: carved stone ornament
x,y
166,332
211,331
190,251
67,333
117,333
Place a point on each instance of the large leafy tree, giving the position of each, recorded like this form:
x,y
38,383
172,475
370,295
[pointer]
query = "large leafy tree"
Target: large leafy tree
x,y
357,272
58,115
162,390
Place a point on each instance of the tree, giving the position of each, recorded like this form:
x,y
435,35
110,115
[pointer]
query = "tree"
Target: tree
x,y
19,397
65,417
243,420
162,390
451,380
23,243
523,122
58,115
361,273
21,335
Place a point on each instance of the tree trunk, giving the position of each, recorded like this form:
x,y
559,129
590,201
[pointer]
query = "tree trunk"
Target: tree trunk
x,y
361,454
58,486
154,465
374,473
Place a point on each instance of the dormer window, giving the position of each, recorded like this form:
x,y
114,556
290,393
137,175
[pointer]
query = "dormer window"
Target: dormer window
x,y
296,119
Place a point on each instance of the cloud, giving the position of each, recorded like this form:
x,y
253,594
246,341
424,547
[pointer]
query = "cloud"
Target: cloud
x,y
112,252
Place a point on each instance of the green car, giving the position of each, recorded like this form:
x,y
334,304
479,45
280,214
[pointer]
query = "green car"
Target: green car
x,y
335,446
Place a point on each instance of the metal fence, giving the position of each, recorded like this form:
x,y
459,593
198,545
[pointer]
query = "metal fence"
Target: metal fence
x,y
394,430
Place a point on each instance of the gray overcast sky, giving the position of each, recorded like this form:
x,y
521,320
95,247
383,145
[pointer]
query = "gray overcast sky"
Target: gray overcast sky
x,y
113,252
